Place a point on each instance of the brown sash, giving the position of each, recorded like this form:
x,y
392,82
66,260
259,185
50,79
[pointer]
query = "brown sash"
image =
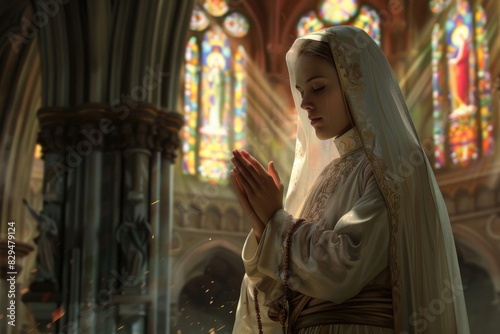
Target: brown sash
x,y
372,307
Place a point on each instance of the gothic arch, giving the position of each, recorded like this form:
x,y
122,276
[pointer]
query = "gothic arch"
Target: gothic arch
x,y
484,197
213,218
231,220
189,265
463,201
472,240
178,214
192,216
480,272
450,204
254,14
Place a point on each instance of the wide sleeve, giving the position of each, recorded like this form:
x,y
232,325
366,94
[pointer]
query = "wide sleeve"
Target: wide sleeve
x,y
246,314
269,290
332,260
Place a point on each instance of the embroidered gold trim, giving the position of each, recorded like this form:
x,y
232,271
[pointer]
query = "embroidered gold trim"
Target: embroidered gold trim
x,y
333,174
348,142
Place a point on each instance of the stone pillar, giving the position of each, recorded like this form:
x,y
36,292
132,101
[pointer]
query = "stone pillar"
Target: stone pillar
x,y
106,169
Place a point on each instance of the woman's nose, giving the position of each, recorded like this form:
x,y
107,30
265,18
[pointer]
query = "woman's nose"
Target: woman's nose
x,y
306,103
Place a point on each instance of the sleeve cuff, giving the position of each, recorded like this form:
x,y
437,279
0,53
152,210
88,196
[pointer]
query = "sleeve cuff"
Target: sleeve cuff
x,y
279,217
265,257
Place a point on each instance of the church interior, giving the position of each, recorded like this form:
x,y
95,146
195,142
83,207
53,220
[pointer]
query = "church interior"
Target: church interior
x,y
117,123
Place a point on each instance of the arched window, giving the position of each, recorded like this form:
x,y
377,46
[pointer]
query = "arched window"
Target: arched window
x,y
337,12
215,84
463,129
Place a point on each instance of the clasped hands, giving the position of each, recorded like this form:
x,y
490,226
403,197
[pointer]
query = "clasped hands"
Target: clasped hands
x,y
259,191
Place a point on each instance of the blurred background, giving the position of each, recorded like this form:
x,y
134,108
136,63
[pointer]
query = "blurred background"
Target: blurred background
x,y
117,123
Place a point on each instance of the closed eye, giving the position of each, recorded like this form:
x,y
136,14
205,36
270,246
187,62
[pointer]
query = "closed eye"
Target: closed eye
x,y
318,89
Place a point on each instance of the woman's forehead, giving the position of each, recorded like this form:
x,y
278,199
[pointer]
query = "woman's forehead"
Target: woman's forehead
x,y
308,67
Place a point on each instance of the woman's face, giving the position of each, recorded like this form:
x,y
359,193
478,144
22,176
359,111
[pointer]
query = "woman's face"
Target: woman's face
x,y
318,83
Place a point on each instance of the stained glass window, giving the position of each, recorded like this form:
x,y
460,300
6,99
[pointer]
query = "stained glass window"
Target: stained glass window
x,y
215,98
369,21
215,106
199,20
438,96
240,99
461,87
236,24
191,79
309,23
366,19
484,81
461,81
216,7
338,11
437,6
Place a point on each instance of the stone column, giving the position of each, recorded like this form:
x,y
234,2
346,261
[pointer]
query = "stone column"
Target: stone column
x,y
106,169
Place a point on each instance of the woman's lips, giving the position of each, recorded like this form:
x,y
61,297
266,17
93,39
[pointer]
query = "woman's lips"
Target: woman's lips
x,y
315,120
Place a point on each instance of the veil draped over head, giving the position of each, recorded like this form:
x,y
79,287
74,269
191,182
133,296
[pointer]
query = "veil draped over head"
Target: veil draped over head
x,y
426,285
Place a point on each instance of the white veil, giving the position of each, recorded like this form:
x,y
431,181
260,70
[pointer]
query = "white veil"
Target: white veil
x,y
426,284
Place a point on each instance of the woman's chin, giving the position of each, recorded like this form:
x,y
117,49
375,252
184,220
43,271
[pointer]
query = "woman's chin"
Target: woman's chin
x,y
322,136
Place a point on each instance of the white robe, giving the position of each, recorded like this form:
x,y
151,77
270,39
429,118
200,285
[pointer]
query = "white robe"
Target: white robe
x,y
341,248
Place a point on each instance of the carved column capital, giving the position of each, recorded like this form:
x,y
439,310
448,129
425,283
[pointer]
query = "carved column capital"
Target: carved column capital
x,y
94,126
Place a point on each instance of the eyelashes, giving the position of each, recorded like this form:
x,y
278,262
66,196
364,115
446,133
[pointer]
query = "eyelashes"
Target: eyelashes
x,y
315,90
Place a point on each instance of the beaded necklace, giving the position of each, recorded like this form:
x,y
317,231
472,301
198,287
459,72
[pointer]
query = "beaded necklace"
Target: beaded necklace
x,y
257,309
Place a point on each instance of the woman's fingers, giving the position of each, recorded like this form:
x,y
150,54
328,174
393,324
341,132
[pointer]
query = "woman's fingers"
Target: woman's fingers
x,y
275,176
257,225
245,204
263,190
245,170
255,163
243,179
236,184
